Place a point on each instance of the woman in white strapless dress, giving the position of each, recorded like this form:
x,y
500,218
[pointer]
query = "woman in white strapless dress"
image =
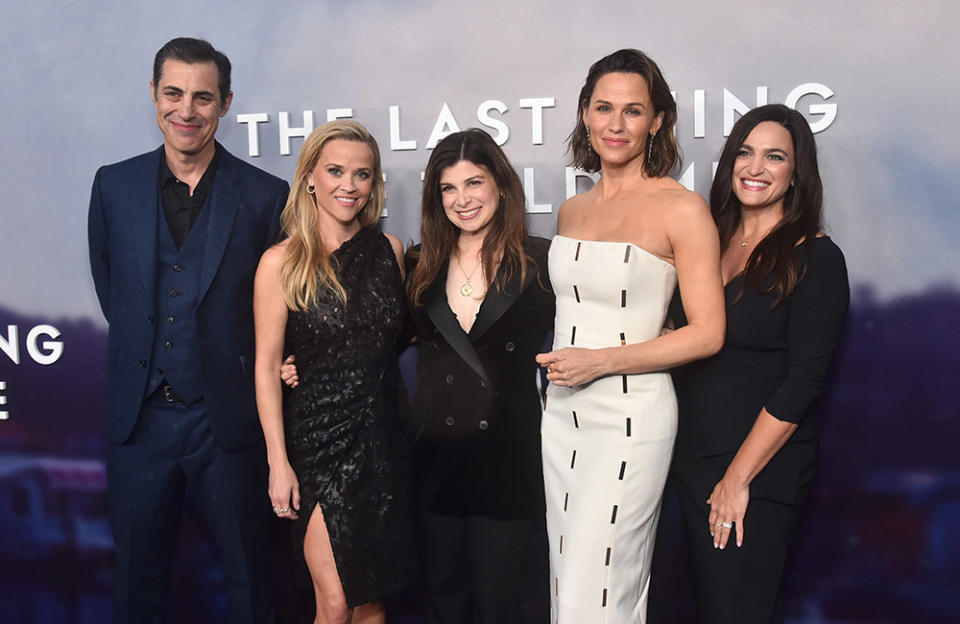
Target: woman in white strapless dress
x,y
611,415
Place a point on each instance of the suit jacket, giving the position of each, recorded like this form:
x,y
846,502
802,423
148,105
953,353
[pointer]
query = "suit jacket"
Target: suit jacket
x,y
477,406
244,207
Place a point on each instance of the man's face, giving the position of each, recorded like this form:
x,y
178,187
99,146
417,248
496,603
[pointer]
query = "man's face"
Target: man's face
x,y
188,106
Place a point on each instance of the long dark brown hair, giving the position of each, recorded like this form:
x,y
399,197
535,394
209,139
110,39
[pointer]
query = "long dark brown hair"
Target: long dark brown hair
x,y
438,236
664,152
772,266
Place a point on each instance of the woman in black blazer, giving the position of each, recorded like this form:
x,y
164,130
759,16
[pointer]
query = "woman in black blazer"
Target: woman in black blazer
x,y
481,302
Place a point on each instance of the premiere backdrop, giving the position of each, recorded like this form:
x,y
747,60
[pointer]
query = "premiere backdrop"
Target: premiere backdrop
x,y
875,80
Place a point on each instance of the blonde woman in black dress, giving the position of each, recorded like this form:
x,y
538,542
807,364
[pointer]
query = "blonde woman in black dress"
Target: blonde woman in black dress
x,y
332,293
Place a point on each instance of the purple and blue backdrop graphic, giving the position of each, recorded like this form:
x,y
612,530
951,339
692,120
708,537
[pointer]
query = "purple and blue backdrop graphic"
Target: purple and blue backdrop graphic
x,y
879,543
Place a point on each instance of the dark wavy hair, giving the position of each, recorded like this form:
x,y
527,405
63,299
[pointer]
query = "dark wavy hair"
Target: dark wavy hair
x,y
665,152
773,266
190,50
438,236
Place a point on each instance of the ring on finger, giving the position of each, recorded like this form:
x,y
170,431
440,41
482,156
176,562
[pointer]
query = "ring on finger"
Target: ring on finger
x,y
727,525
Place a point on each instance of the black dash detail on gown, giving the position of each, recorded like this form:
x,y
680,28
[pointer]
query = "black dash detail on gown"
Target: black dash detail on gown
x,y
628,426
576,257
623,339
576,423
624,384
566,499
561,544
573,459
573,334
613,516
623,469
623,298
604,597
626,255
556,585
576,293
608,556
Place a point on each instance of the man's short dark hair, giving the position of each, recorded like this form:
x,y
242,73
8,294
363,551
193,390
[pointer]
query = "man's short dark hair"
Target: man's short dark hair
x,y
190,50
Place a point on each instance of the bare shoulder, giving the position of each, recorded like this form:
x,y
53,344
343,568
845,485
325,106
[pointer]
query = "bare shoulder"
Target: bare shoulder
x,y
272,258
683,207
397,245
675,196
570,211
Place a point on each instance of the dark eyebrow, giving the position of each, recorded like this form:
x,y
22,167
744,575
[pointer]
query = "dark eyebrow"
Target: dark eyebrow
x,y
769,150
479,176
638,104
178,90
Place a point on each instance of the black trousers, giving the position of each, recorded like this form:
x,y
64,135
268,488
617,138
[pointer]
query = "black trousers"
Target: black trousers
x,y
475,568
738,585
147,478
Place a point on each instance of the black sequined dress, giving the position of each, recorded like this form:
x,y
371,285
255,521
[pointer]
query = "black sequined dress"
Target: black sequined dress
x,y
343,422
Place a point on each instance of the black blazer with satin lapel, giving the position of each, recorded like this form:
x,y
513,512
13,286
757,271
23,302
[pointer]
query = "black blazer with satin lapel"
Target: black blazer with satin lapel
x,y
477,406
245,204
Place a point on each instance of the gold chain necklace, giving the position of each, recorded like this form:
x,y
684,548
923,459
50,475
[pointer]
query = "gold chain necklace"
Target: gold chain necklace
x,y
466,289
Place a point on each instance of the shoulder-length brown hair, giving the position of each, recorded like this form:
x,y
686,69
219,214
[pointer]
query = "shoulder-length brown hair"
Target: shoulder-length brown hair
x,y
307,267
772,266
438,236
664,152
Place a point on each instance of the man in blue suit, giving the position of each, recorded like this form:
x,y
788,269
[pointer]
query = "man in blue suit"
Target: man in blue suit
x,y
175,237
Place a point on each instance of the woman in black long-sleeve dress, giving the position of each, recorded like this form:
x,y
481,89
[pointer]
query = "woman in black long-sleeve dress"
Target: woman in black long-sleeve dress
x,y
747,438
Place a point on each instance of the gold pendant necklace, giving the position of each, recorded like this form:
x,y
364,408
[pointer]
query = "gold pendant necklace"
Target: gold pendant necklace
x,y
466,289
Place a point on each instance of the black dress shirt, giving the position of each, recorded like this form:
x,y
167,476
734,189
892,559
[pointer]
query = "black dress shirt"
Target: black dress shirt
x,y
179,206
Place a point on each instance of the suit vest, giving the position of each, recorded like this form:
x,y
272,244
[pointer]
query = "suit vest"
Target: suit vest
x,y
176,343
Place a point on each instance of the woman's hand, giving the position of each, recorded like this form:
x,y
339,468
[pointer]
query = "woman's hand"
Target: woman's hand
x,y
284,491
288,372
728,502
728,505
572,366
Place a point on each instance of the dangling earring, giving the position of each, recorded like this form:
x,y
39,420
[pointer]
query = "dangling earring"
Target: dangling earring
x,y
589,143
311,188
653,135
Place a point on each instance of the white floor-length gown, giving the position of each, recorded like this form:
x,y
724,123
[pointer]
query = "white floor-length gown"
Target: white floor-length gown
x,y
606,444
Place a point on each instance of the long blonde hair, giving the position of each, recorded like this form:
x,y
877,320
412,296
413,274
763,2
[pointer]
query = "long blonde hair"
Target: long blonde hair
x,y
305,253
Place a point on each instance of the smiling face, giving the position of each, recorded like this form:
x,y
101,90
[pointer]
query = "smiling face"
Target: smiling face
x,y
763,168
620,117
470,196
189,108
342,181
